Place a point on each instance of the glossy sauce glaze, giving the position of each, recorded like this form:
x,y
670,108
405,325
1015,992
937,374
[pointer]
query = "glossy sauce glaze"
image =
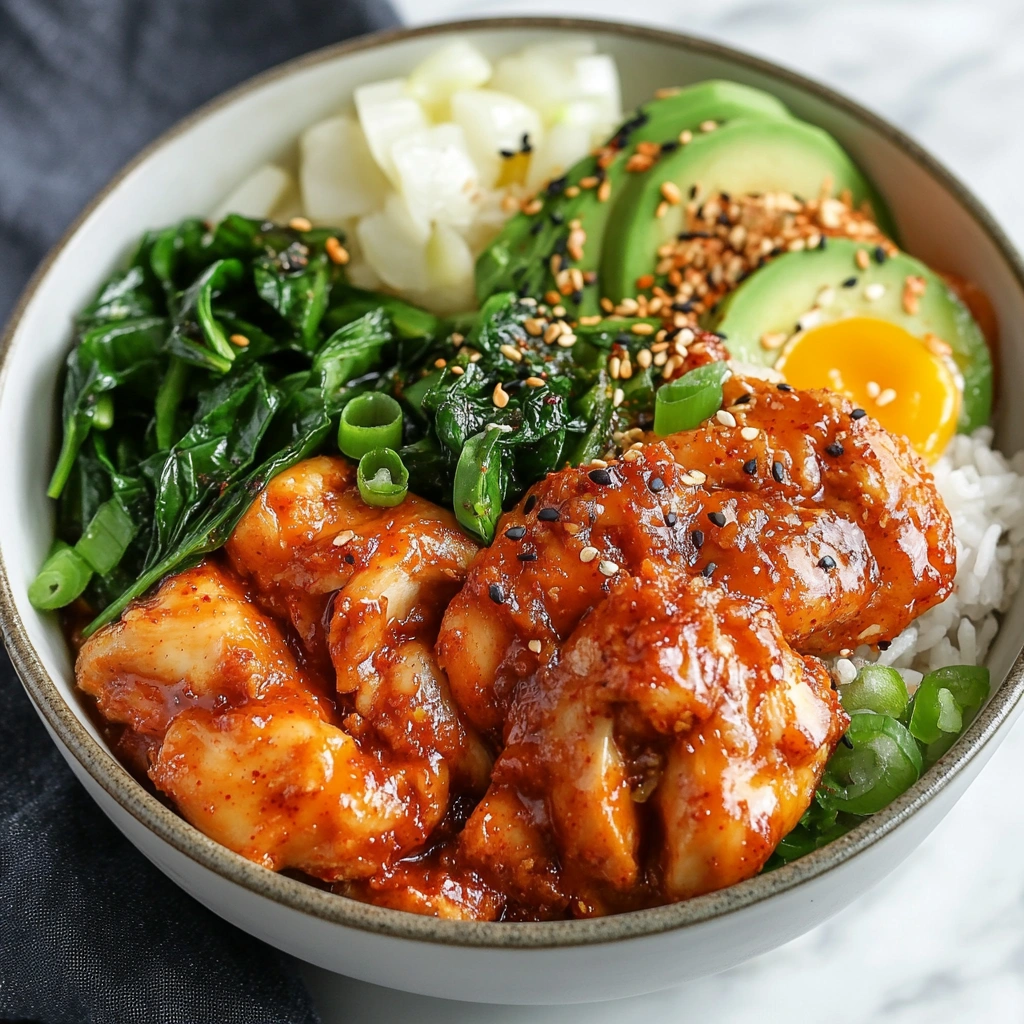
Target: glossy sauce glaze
x,y
617,704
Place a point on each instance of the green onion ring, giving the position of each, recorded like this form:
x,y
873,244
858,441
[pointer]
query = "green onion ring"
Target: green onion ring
x,y
370,421
64,575
687,402
382,478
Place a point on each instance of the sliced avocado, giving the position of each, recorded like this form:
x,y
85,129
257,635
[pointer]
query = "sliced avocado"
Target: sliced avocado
x,y
774,298
742,157
519,257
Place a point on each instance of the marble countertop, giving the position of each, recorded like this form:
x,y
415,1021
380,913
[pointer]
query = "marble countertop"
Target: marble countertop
x,y
942,938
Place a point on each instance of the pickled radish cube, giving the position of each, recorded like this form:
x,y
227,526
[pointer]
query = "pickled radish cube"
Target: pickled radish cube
x,y
259,195
387,113
338,175
436,175
450,272
494,122
394,245
543,76
565,142
458,65
597,80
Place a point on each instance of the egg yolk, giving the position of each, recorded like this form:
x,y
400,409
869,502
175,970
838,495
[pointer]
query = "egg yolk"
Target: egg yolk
x,y
885,370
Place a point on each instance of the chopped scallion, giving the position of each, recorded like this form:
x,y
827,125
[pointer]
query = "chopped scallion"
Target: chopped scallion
x,y
63,577
382,478
687,402
370,421
106,537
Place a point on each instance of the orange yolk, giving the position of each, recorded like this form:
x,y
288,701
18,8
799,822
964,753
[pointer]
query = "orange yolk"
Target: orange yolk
x,y
885,370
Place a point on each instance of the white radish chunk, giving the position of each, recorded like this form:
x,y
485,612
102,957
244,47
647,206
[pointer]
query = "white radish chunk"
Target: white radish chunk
x,y
450,273
436,175
259,195
543,76
458,65
566,141
387,113
337,173
394,244
494,122
597,80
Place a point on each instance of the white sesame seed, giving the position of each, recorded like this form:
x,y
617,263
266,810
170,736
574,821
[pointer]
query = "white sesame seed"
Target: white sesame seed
x,y
511,352
698,476
845,652
343,538
685,336
846,671
887,396
810,319
870,631
874,291
588,554
873,389
644,358
617,397
725,418
826,296
607,568
749,433
689,479
708,126
499,396
614,365
566,340
534,646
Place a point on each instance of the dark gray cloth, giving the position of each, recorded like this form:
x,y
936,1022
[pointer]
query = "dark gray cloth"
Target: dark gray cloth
x,y
89,931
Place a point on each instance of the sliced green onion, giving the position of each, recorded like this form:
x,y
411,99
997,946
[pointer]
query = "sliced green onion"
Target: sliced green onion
x,y
479,484
882,762
107,536
370,421
945,704
877,688
687,402
103,412
64,575
382,477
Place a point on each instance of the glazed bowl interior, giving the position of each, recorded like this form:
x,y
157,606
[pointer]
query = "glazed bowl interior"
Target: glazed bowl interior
x,y
194,166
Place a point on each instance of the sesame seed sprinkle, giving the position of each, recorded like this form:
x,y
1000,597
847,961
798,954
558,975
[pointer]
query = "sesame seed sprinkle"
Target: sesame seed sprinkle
x,y
607,567
343,538
535,646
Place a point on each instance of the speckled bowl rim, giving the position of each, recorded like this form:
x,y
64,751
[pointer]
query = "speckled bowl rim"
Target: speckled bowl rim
x,y
145,808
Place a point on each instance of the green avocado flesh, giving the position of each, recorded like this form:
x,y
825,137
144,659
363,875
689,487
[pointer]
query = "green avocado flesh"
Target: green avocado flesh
x,y
774,298
519,257
743,157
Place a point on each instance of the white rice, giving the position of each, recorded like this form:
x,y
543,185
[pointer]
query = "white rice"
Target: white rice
x,y
984,492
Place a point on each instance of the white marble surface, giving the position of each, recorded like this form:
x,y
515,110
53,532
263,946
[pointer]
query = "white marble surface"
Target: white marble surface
x,y
942,939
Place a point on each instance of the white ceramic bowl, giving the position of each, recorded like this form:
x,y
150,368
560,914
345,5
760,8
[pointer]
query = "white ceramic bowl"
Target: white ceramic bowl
x,y
188,171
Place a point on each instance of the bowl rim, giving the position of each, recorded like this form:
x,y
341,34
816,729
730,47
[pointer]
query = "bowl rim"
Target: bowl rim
x,y
300,896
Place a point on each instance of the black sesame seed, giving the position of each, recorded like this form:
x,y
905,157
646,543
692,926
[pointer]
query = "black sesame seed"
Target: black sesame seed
x,y
725,197
683,307
577,296
826,562
850,282
880,255
600,476
832,684
698,539
835,449
515,532
531,502
526,146
536,227
784,387
717,518
750,468
527,556
671,519
507,153
721,336
884,645
708,570
669,147
723,219
548,515
656,484
823,244
778,472
693,191
858,414
557,186
561,244
496,594
847,742
742,400
557,217
351,559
